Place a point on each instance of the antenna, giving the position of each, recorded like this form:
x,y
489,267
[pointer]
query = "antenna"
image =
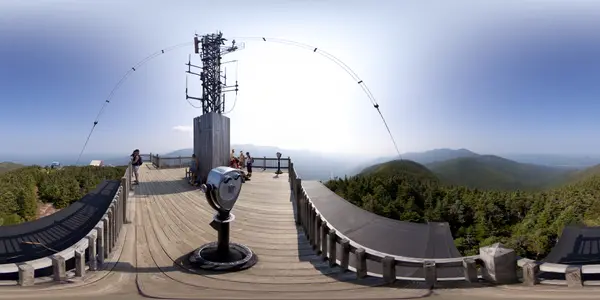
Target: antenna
x,y
211,48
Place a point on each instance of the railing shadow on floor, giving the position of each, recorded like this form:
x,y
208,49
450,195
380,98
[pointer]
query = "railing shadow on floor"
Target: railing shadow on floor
x,y
161,188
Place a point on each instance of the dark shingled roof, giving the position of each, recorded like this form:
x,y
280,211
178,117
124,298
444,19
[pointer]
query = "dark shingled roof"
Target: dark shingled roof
x,y
58,231
577,245
417,240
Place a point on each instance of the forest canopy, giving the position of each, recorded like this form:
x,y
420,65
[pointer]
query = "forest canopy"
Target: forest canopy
x,y
527,221
23,189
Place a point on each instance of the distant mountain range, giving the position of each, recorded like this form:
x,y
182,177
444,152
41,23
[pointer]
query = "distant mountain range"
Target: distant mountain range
x,y
494,172
488,172
420,157
455,166
318,166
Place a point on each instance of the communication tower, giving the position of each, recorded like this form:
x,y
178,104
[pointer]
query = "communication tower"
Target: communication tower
x,y
211,48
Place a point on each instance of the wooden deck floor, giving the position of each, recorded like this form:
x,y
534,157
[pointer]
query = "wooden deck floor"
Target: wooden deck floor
x,y
169,219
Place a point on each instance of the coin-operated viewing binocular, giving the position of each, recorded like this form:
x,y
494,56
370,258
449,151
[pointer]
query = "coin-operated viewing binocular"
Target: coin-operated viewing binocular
x,y
278,164
222,189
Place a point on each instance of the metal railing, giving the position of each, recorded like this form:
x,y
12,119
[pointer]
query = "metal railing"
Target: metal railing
x,y
164,162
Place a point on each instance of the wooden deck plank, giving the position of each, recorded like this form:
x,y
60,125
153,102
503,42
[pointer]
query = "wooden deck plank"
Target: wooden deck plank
x,y
270,275
167,210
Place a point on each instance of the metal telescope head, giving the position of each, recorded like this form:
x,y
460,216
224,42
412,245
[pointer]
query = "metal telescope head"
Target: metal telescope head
x,y
222,188
278,155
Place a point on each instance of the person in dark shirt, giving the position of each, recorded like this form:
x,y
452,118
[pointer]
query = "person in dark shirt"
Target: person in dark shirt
x,y
249,162
136,162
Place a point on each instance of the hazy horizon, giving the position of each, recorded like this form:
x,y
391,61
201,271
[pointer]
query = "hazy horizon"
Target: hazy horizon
x,y
493,77
69,158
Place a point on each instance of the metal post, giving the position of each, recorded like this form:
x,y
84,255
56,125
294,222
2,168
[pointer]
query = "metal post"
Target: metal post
x,y
223,236
278,164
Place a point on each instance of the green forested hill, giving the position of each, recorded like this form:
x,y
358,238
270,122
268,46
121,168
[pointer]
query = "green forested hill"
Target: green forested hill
x,y
582,175
528,221
496,173
400,167
9,166
21,190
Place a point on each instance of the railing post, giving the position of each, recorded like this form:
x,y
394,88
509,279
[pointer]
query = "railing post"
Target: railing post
x,y
124,196
389,269
79,262
317,246
264,163
430,273
26,275
530,273
303,210
92,249
331,247
106,236
291,177
100,248
157,161
118,212
298,193
111,227
573,276
129,174
307,216
59,269
361,263
311,225
324,231
180,162
345,259
470,270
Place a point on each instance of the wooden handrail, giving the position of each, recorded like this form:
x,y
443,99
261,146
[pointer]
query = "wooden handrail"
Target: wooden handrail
x,y
99,242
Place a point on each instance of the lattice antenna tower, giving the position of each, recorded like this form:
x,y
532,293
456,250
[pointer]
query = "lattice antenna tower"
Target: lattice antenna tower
x,y
211,48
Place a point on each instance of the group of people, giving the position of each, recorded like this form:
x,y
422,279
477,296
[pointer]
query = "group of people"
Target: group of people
x,y
237,162
241,161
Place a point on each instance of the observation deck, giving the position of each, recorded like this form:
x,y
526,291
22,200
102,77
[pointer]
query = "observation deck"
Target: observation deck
x,y
149,228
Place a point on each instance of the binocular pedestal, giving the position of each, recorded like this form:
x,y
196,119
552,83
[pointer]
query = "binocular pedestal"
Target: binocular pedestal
x,y
223,255
222,190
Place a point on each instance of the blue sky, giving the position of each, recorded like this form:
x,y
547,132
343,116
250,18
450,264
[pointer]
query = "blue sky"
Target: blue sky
x,y
493,76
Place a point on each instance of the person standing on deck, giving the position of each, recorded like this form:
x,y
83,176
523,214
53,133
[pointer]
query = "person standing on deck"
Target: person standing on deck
x,y
242,159
136,162
194,170
249,162
232,159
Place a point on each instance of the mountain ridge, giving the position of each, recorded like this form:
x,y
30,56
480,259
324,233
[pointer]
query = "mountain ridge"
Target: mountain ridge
x,y
493,172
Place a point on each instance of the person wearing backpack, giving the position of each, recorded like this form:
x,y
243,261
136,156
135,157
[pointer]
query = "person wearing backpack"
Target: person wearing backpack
x,y
136,162
249,162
